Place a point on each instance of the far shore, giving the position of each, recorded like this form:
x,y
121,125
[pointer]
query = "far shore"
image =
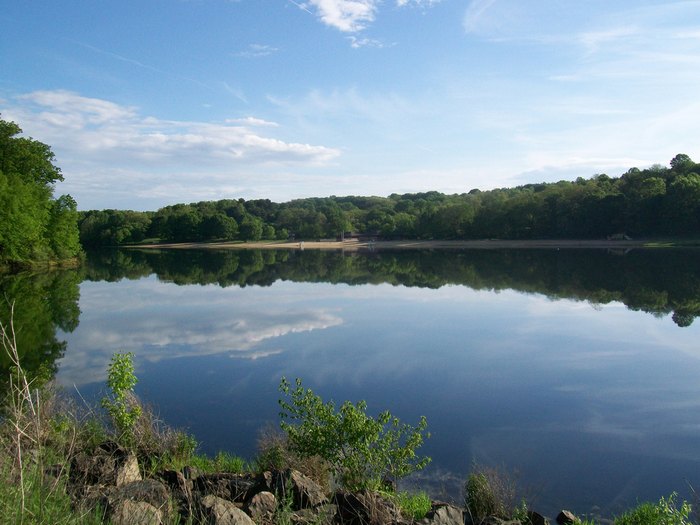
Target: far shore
x,y
355,245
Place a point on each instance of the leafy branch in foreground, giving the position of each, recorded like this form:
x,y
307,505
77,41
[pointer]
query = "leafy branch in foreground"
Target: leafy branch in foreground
x,y
362,451
121,405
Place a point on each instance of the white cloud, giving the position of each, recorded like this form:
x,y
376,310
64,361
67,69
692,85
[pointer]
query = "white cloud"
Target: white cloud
x,y
101,146
345,15
351,16
100,129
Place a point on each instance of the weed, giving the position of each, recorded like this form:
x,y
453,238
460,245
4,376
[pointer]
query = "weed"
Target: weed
x,y
491,491
274,453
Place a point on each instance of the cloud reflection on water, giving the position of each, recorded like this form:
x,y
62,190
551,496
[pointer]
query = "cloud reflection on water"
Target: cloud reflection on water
x,y
155,321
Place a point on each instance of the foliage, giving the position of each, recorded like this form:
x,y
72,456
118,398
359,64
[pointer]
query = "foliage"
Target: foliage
x,y
120,404
33,226
665,512
362,451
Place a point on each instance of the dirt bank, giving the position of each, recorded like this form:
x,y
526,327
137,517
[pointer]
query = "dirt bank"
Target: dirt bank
x,y
399,245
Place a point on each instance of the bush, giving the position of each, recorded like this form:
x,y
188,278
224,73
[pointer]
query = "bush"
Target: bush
x,y
362,451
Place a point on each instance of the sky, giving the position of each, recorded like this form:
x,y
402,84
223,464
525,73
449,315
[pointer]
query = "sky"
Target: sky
x,y
157,102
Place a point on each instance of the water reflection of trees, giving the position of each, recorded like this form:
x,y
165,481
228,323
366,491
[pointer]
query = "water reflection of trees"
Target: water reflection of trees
x,y
660,282
43,303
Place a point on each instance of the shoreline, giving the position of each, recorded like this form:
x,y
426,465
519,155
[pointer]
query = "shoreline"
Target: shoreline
x,y
355,245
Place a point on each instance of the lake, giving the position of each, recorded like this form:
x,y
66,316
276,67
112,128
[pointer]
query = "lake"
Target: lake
x,y
577,369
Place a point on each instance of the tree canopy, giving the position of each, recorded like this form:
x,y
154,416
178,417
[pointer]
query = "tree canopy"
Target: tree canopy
x,y
656,201
33,225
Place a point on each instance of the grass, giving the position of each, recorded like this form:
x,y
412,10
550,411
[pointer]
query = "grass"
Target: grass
x,y
413,506
666,512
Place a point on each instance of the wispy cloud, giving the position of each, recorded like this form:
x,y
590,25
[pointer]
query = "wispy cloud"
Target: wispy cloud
x,y
357,43
475,11
417,3
257,51
252,121
136,63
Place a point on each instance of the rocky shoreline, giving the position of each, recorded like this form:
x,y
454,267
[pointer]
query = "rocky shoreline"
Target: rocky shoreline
x,y
110,479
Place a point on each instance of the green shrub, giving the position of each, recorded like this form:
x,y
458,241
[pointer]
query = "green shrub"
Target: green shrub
x,y
121,405
361,451
665,512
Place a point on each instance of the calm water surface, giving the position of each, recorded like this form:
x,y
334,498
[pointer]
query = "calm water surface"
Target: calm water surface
x,y
580,370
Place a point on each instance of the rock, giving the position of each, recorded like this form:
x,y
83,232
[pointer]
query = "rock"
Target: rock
x,y
181,490
127,471
323,515
261,508
365,508
232,487
218,511
128,512
493,520
304,491
148,491
107,466
566,517
443,514
536,518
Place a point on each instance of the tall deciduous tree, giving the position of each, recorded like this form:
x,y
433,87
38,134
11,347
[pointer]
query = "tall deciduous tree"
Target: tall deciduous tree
x,y
33,226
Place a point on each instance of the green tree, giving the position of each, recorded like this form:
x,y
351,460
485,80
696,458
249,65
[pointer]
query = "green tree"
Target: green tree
x,y
251,228
33,226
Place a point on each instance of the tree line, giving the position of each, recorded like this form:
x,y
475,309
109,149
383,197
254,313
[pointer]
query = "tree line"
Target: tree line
x,y
656,201
34,226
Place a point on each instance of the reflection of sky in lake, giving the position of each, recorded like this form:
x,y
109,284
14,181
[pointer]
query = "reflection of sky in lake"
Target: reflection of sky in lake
x,y
593,405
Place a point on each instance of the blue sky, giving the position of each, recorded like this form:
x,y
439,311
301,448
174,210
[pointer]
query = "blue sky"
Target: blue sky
x,y
148,103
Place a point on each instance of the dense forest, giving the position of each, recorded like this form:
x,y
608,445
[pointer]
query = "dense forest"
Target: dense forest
x,y
34,226
657,201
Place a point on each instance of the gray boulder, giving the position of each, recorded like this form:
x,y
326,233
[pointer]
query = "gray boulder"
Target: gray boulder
x,y
261,507
128,512
443,514
218,511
